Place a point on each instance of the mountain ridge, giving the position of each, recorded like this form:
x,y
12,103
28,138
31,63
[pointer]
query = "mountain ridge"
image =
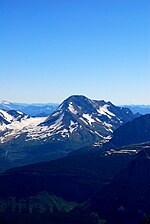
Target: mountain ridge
x,y
32,109
133,132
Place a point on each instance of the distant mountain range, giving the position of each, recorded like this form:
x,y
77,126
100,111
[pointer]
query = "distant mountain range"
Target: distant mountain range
x,y
39,110
76,123
141,109
45,109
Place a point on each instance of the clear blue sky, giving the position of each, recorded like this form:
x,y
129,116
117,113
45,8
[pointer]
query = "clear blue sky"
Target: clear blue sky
x,y
51,49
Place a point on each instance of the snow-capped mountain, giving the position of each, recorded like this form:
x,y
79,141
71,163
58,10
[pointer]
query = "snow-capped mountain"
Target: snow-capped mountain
x,y
76,123
78,120
83,120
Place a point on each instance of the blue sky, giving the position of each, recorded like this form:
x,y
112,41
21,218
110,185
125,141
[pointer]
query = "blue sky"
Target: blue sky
x,y
51,49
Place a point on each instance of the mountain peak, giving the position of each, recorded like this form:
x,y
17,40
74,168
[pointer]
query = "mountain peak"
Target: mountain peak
x,y
4,102
76,96
76,99
80,116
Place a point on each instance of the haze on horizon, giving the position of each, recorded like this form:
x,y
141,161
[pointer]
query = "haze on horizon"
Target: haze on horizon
x,y
50,50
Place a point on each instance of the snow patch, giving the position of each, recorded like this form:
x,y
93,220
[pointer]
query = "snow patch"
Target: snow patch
x,y
73,126
14,129
104,111
89,118
108,126
72,109
19,112
6,116
99,134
